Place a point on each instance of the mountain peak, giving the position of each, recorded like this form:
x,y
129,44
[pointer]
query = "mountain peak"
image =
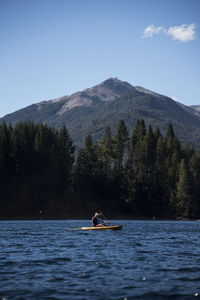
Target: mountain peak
x,y
116,84
106,91
109,89
111,81
90,111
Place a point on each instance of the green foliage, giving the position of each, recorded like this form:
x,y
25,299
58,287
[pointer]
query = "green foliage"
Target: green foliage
x,y
35,169
183,191
144,175
121,145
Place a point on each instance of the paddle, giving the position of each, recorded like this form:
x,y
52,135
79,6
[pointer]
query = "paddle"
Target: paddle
x,y
106,220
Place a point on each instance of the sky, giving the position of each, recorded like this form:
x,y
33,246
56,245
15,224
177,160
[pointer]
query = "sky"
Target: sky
x,y
52,48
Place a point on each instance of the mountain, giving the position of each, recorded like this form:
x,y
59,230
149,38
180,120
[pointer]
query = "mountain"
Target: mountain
x,y
92,110
196,108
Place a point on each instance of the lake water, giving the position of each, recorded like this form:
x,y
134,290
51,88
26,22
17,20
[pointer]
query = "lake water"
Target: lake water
x,y
144,260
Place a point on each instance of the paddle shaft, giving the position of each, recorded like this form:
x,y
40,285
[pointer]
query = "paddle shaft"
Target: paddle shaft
x,y
105,218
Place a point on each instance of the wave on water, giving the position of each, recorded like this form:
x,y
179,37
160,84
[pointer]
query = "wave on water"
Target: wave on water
x,y
57,260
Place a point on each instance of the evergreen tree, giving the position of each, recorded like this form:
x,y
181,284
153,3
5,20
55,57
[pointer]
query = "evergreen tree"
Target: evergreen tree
x,y
161,178
150,172
150,151
139,133
183,192
6,166
195,184
85,174
137,171
188,151
66,155
107,151
157,134
121,139
174,155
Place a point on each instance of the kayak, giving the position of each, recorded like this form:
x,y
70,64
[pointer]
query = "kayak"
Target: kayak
x,y
112,227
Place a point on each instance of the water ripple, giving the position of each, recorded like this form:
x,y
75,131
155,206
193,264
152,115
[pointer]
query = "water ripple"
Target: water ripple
x,y
145,260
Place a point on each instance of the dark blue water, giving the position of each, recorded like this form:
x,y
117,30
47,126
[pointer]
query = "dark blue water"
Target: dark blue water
x,y
145,260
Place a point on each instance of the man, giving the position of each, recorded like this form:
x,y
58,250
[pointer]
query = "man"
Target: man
x,y
97,220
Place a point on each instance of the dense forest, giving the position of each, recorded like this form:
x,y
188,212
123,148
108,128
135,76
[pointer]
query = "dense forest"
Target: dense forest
x,y
141,175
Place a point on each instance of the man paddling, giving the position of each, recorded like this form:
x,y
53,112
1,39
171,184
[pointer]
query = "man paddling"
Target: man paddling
x,y
97,220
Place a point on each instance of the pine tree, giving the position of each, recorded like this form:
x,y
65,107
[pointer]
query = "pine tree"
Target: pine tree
x,y
195,184
157,134
66,155
174,155
6,166
121,139
139,132
137,155
150,150
183,192
107,151
161,178
188,151
137,171
86,176
149,177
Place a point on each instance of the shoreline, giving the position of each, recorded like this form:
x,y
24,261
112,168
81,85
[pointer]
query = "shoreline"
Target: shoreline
x,y
88,218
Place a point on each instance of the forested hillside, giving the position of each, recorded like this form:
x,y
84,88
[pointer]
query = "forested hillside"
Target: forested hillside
x,y
144,175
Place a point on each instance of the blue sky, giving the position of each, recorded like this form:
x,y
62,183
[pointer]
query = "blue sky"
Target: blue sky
x,y
52,48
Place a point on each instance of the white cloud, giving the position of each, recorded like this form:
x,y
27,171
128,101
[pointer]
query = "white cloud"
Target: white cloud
x,y
151,30
183,33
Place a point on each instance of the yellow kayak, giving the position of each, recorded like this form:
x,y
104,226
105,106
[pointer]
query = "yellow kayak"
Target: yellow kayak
x,y
112,227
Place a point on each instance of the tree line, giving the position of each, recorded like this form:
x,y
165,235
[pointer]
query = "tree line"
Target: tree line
x,y
141,174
